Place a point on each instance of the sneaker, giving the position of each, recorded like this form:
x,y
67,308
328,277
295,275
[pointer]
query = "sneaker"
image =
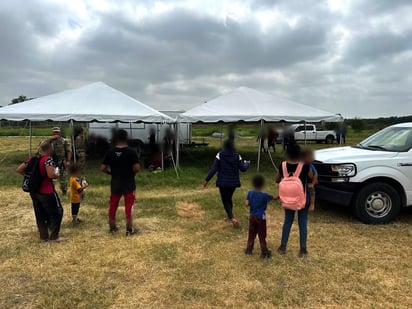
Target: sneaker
x,y
303,252
77,222
235,222
249,251
114,229
282,249
266,254
131,232
60,239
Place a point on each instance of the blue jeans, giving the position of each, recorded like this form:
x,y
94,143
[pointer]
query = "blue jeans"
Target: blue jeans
x,y
303,225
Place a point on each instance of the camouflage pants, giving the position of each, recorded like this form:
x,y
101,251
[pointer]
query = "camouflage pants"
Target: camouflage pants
x,y
81,158
63,180
63,176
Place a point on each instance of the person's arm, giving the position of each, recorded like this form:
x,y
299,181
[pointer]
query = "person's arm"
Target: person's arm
x,y
243,165
247,203
81,188
21,168
69,157
105,166
105,169
136,168
213,170
135,161
52,138
315,179
278,178
310,174
51,170
68,153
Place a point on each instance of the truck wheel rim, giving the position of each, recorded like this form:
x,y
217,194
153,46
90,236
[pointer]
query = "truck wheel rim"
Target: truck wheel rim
x,y
378,204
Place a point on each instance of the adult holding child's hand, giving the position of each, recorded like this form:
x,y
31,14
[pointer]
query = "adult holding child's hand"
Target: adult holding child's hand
x,y
227,165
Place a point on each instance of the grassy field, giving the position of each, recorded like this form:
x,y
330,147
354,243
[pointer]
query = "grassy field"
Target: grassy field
x,y
186,256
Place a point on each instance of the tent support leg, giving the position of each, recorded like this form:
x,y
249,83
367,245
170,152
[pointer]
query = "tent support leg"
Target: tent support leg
x,y
283,137
177,145
30,137
130,130
160,142
221,136
73,141
260,142
304,123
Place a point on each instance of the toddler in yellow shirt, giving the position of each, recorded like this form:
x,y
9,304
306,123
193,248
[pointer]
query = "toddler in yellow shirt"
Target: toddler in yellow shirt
x,y
77,186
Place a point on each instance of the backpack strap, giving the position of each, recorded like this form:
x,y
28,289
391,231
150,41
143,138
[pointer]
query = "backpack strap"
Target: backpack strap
x,y
298,170
285,169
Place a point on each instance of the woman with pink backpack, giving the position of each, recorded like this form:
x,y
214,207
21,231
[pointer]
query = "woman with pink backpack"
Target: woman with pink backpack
x,y
293,178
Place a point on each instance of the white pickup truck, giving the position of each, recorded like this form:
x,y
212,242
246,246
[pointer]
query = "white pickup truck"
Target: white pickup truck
x,y
312,135
373,177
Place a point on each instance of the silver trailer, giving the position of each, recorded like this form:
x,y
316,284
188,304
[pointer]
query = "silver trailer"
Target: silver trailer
x,y
142,131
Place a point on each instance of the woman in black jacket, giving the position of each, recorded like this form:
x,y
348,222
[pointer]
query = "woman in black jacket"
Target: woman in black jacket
x,y
227,165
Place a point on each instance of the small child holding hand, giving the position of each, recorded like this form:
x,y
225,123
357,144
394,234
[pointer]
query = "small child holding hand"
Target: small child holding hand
x,y
257,201
77,186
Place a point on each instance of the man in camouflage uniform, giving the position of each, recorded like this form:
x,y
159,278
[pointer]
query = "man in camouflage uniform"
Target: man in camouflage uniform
x,y
80,146
62,155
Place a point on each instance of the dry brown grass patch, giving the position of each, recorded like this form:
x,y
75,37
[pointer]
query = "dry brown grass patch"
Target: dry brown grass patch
x,y
189,210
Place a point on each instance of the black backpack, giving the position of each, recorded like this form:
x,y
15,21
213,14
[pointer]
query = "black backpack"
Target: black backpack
x,y
32,178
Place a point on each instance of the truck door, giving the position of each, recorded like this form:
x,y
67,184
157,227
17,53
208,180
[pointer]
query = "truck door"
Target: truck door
x,y
300,133
310,133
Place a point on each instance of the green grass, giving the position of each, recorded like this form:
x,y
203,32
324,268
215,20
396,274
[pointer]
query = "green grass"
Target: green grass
x,y
186,256
36,130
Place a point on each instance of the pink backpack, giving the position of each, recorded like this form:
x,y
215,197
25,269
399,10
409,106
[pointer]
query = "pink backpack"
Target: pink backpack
x,y
291,190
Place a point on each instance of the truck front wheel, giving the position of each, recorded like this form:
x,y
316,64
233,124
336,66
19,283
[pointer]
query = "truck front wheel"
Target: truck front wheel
x,y
377,203
329,139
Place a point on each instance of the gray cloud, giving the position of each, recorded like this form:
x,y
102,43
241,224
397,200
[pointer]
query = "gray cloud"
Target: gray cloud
x,y
182,56
366,48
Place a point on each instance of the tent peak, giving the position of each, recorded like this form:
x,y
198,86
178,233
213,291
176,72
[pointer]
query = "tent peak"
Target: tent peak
x,y
250,105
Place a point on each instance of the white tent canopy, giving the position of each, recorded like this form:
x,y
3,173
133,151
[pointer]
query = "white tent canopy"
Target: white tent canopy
x,y
249,105
93,102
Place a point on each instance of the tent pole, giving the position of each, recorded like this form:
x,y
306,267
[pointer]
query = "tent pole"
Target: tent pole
x,y
160,142
162,154
131,130
30,137
177,145
340,132
260,143
73,141
304,123
221,136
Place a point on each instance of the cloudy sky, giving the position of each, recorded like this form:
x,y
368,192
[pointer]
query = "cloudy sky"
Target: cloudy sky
x,y
347,56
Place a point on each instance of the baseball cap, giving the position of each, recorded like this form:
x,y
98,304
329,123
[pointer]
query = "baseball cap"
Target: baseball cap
x,y
56,129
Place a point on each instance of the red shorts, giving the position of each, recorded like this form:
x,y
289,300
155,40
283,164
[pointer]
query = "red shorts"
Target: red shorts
x,y
129,199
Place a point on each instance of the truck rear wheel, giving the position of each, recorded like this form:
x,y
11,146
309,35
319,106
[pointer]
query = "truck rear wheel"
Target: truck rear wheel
x,y
377,203
329,139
